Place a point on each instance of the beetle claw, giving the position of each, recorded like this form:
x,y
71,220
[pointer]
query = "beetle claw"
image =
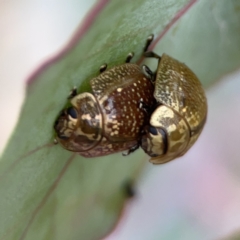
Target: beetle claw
x,y
144,106
148,73
103,68
129,57
131,150
148,42
72,93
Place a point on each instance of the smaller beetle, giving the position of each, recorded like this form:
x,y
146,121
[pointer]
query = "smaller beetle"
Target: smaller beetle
x,y
180,114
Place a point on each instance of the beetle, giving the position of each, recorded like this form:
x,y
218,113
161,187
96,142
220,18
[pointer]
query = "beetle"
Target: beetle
x,y
130,106
108,119
180,113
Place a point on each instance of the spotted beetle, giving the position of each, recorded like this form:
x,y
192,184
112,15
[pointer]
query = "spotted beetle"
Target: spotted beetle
x,y
108,119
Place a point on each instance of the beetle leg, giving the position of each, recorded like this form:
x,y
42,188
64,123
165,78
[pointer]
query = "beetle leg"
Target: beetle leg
x,y
131,150
72,93
129,57
148,73
148,42
144,106
103,68
55,141
151,55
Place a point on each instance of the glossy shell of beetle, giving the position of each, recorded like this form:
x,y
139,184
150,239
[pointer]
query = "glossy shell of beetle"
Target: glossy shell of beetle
x,y
180,114
109,119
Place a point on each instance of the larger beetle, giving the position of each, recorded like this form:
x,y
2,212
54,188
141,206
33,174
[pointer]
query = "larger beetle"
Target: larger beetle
x,y
108,119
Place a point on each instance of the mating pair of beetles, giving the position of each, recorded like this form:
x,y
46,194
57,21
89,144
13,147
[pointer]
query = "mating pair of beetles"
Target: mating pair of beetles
x,y
163,112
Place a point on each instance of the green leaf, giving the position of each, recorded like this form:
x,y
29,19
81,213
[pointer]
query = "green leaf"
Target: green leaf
x,y
50,193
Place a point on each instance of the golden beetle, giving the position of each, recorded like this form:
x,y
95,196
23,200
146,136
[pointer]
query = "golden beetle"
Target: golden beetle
x,y
180,114
163,112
